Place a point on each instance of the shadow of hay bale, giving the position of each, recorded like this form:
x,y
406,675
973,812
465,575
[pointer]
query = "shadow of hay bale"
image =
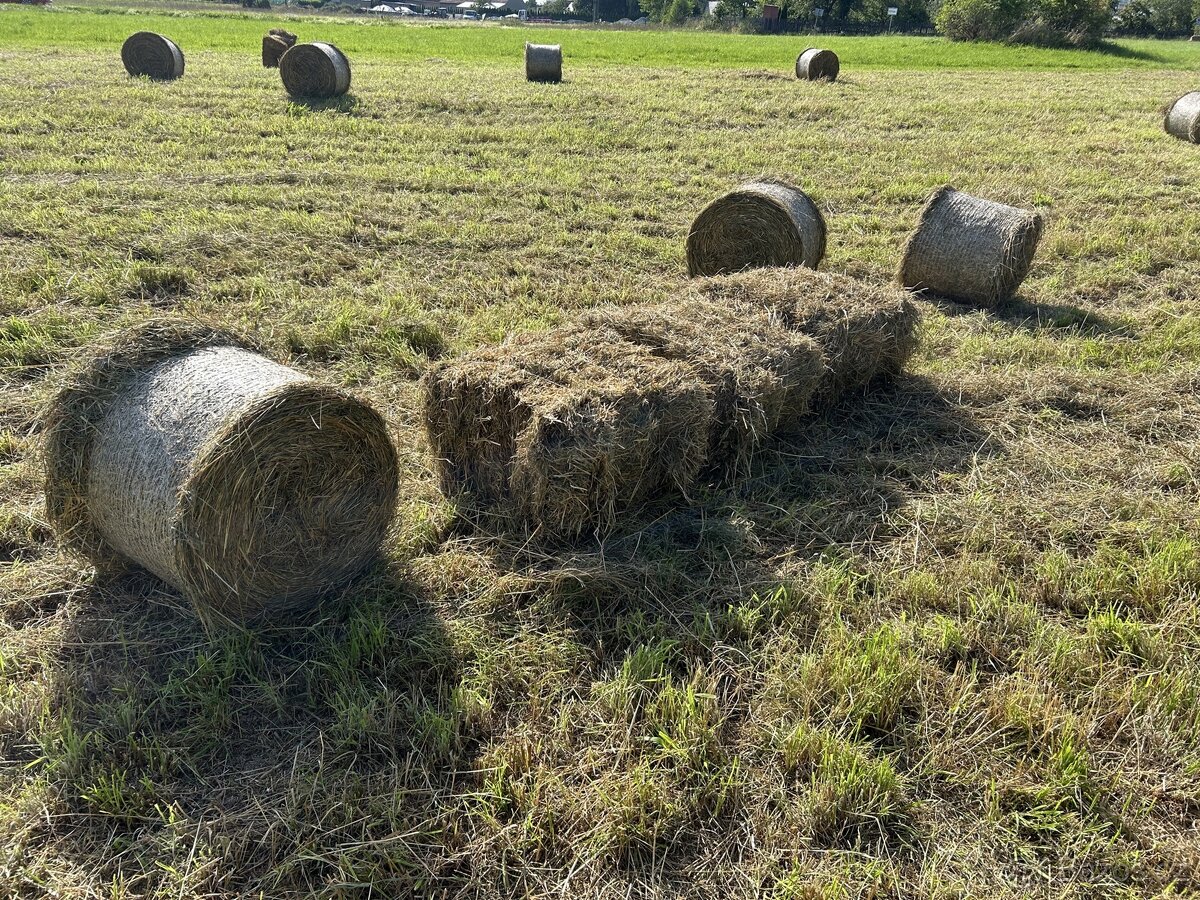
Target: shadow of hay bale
x,y
1027,314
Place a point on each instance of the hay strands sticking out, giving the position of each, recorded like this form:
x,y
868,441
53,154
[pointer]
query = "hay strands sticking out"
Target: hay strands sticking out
x,y
1182,117
245,484
969,249
317,71
762,223
275,43
543,62
152,55
816,64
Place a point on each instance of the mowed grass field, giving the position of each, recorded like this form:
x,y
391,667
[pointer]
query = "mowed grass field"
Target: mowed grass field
x,y
945,642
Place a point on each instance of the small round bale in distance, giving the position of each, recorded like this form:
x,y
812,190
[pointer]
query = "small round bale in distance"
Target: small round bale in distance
x,y
152,55
275,43
1183,117
815,64
316,70
245,484
970,249
543,62
759,224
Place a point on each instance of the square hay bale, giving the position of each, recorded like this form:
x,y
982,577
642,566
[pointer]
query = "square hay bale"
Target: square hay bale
x,y
865,330
761,374
565,429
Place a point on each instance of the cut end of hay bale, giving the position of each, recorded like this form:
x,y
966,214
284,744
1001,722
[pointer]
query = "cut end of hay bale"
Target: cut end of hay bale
x,y
317,71
245,484
865,331
816,64
762,223
153,56
543,62
275,43
1182,117
969,249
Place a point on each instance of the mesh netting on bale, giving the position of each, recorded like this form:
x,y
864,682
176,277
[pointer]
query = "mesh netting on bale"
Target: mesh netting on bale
x,y
865,331
759,224
1182,118
970,249
815,64
316,70
152,55
543,62
247,485
275,43
761,375
565,429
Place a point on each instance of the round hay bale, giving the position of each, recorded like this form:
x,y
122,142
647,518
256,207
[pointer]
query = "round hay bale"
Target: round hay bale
x,y
245,484
543,62
315,70
969,249
1183,117
275,43
759,224
815,64
152,55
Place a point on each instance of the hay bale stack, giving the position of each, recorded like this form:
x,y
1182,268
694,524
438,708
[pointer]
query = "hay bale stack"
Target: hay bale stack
x,y
562,430
760,224
969,249
275,43
865,331
815,64
1183,117
152,55
543,62
760,374
246,485
318,71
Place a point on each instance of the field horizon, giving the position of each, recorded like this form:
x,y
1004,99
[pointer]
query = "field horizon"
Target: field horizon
x,y
942,642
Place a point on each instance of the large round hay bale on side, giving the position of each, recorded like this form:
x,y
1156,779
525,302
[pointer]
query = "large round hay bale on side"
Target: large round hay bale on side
x,y
275,43
815,64
970,249
759,224
543,62
245,484
152,55
316,70
1183,117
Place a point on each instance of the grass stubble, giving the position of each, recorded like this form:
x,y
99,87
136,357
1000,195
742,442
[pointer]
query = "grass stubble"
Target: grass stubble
x,y
942,642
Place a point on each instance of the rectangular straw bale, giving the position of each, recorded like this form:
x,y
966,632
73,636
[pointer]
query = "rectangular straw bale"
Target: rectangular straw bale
x,y
865,330
761,374
567,427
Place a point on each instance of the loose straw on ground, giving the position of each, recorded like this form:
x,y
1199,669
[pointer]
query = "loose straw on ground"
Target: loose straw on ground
x,y
760,224
1183,117
543,62
152,55
246,485
815,64
275,43
970,249
318,71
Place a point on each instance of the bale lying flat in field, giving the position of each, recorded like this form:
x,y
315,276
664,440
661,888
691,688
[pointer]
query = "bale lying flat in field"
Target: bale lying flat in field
x,y
275,43
970,249
865,331
759,224
1182,118
761,375
152,55
543,62
318,70
563,430
815,64
248,486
